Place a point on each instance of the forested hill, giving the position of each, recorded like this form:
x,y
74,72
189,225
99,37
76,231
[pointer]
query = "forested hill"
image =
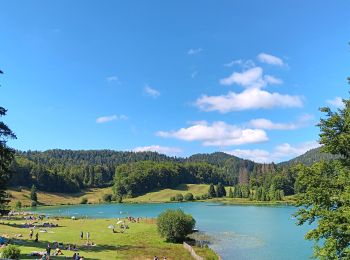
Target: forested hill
x,y
72,170
309,158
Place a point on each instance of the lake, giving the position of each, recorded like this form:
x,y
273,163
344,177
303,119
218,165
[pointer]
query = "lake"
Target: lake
x,y
238,232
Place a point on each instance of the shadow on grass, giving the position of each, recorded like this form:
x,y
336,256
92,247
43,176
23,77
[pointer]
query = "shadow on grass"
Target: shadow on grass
x,y
25,256
182,187
97,248
16,225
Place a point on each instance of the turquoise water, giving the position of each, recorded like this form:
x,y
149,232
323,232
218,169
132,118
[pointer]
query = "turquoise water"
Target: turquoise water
x,y
239,232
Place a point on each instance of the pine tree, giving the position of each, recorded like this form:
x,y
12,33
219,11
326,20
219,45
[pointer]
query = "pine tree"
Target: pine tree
x,y
6,157
33,195
211,191
220,190
230,193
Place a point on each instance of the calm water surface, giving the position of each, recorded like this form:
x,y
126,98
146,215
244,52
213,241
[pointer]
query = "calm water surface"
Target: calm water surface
x,y
239,232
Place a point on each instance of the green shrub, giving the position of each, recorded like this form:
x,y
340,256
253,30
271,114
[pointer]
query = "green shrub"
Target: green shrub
x,y
175,225
11,252
198,197
18,204
107,197
83,200
179,197
172,198
188,197
205,196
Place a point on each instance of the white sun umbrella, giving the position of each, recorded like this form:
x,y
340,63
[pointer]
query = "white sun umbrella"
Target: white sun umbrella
x,y
119,222
111,227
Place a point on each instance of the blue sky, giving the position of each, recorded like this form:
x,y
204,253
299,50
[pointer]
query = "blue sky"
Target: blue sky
x,y
178,77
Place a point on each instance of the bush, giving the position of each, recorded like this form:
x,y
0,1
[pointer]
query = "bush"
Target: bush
x,y
107,197
175,225
114,197
11,252
179,197
34,203
198,197
172,198
205,196
83,200
188,197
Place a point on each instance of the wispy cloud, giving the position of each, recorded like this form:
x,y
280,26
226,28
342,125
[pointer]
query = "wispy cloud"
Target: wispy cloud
x,y
113,78
267,124
281,152
151,92
158,149
270,59
194,74
336,102
105,119
217,134
245,64
194,51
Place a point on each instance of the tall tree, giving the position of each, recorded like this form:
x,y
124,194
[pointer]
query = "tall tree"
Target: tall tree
x,y
220,190
33,195
211,191
325,188
6,156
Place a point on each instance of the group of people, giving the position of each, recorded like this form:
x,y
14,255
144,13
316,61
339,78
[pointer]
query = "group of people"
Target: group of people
x,y
132,219
156,258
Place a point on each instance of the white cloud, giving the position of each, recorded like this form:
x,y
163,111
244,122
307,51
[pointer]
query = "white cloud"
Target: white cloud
x,y
217,134
287,150
194,51
267,124
246,64
113,78
336,102
151,92
270,59
158,149
105,119
281,152
256,155
251,98
250,78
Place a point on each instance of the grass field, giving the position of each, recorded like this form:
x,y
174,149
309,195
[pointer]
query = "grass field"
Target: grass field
x,y
140,241
95,196
165,194
48,198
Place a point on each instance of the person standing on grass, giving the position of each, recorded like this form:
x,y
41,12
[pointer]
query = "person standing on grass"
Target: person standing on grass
x,y
87,236
36,237
48,249
31,234
81,234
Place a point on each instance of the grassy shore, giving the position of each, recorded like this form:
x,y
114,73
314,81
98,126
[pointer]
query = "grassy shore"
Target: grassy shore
x,y
140,241
95,196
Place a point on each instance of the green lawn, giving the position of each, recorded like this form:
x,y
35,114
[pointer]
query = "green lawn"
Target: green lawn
x,y
95,196
53,198
140,241
165,194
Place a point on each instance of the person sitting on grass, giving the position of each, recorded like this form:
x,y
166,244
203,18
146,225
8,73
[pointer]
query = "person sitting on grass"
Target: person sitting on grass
x,y
57,252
